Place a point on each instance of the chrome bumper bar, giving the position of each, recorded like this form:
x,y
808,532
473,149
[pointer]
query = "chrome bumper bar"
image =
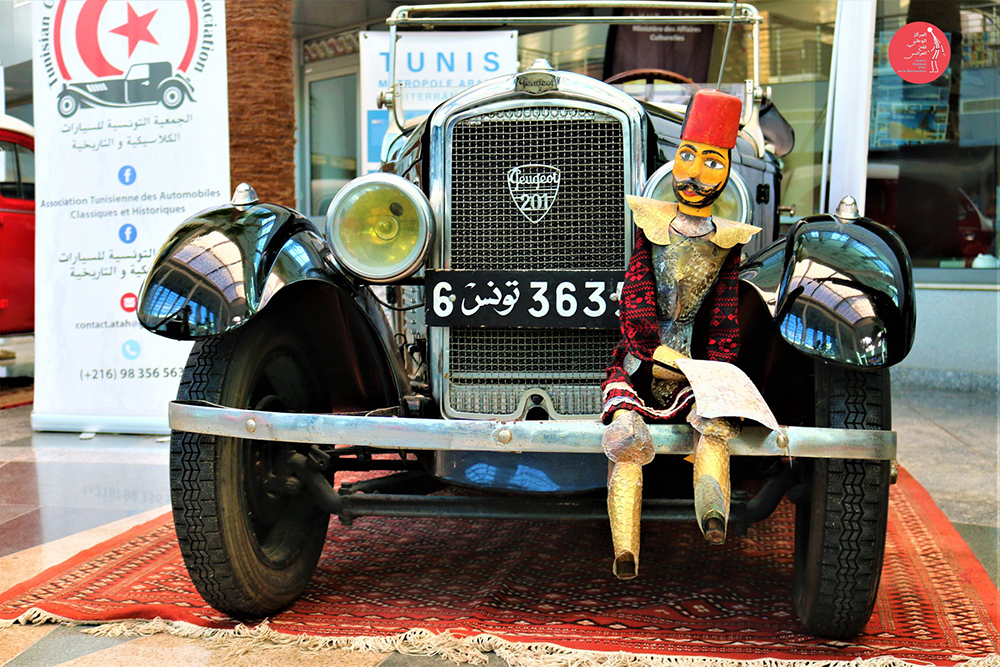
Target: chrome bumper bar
x,y
580,437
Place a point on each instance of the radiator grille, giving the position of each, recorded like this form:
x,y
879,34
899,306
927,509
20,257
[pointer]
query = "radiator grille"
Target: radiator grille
x,y
489,369
583,229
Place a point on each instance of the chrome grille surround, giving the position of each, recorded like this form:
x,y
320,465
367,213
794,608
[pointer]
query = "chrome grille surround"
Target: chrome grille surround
x,y
502,372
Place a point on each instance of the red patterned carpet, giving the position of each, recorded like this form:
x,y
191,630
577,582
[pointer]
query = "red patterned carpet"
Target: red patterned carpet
x,y
550,582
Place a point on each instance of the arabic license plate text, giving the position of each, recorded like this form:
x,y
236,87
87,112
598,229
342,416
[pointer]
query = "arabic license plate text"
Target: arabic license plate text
x,y
523,298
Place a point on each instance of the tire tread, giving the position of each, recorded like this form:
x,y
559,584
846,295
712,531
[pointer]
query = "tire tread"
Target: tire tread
x,y
192,482
853,513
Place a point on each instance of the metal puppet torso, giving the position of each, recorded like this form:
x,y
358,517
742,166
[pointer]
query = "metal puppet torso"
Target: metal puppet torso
x,y
685,272
685,269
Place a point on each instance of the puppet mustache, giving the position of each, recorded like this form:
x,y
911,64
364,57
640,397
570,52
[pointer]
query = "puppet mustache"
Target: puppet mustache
x,y
696,185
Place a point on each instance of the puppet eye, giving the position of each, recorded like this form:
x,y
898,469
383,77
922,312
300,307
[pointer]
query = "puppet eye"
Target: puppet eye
x,y
714,164
687,156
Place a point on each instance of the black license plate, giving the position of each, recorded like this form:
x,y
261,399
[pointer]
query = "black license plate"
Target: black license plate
x,y
572,299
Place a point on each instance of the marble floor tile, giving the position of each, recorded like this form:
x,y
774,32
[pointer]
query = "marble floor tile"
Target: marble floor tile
x,y
964,480
973,419
985,543
8,512
20,638
63,498
61,646
169,650
51,523
400,660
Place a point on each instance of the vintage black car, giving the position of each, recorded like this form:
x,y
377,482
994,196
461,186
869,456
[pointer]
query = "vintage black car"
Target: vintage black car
x,y
147,83
297,373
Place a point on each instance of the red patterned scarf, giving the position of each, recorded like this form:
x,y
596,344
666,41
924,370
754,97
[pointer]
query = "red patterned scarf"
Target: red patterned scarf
x,y
640,335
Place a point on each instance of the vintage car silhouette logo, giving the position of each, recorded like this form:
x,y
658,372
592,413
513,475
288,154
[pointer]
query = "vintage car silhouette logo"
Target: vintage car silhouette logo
x,y
147,83
534,188
124,54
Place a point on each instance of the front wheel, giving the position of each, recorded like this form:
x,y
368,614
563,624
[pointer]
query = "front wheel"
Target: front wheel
x,y
840,527
172,96
250,535
67,105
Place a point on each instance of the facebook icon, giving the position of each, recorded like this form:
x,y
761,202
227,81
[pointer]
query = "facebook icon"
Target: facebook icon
x,y
126,175
126,233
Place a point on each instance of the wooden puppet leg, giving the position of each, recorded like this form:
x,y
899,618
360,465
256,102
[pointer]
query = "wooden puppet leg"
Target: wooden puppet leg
x,y
711,475
629,446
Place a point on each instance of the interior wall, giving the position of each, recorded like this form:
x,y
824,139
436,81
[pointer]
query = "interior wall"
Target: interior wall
x,y
957,333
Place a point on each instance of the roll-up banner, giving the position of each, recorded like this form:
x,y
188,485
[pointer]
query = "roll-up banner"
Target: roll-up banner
x,y
131,137
432,67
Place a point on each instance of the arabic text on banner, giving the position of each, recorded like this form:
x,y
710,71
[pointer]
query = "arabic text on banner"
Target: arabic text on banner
x,y
132,137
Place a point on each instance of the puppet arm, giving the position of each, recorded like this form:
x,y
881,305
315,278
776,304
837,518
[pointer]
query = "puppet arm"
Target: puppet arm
x,y
665,363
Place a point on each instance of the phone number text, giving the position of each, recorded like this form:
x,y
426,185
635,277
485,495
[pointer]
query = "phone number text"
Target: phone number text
x,y
130,373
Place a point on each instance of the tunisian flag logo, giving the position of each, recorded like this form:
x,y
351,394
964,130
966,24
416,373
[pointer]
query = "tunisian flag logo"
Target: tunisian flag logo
x,y
125,54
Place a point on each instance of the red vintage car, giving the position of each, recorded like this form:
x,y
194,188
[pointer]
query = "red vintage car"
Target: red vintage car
x,y
17,226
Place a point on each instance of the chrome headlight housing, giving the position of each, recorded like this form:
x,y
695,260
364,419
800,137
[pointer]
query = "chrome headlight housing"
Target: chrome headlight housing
x,y
380,227
732,204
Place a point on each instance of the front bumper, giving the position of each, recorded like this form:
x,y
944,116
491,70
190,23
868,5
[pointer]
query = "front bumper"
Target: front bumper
x,y
578,437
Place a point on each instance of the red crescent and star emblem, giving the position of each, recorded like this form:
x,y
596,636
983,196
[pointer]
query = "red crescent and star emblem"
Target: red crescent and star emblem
x,y
136,29
92,40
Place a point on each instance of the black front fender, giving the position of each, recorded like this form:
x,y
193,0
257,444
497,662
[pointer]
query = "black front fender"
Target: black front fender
x,y
840,292
223,266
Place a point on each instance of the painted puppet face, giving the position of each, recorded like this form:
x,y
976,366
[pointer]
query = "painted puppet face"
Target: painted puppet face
x,y
701,172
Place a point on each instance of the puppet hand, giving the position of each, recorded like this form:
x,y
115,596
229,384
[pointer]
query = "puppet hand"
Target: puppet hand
x,y
668,357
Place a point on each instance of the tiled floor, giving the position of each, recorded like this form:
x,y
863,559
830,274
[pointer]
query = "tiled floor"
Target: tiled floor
x,y
53,486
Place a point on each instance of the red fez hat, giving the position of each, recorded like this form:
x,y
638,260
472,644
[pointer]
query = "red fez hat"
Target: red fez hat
x,y
713,117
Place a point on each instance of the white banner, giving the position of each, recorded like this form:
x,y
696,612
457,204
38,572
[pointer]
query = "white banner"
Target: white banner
x,y
131,137
432,66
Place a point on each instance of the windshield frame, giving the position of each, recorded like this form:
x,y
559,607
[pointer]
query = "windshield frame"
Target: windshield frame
x,y
440,15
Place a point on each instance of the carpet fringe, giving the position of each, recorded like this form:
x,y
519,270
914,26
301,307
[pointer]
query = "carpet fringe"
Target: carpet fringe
x,y
36,616
244,639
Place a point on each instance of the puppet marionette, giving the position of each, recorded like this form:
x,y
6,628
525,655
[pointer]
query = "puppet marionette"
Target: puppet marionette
x,y
683,256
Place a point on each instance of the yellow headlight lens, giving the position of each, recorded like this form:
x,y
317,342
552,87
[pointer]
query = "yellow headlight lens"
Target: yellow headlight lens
x,y
379,227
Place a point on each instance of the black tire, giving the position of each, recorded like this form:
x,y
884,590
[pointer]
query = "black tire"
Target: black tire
x,y
67,104
172,95
840,526
250,551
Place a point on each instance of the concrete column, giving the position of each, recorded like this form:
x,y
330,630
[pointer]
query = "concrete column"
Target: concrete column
x,y
855,40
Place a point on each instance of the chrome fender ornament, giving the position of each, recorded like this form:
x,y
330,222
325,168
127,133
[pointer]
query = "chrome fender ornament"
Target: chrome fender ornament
x,y
534,188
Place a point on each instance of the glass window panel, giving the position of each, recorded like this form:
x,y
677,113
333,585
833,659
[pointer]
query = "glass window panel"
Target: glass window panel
x,y
796,47
796,51
933,158
332,138
8,170
137,72
26,163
